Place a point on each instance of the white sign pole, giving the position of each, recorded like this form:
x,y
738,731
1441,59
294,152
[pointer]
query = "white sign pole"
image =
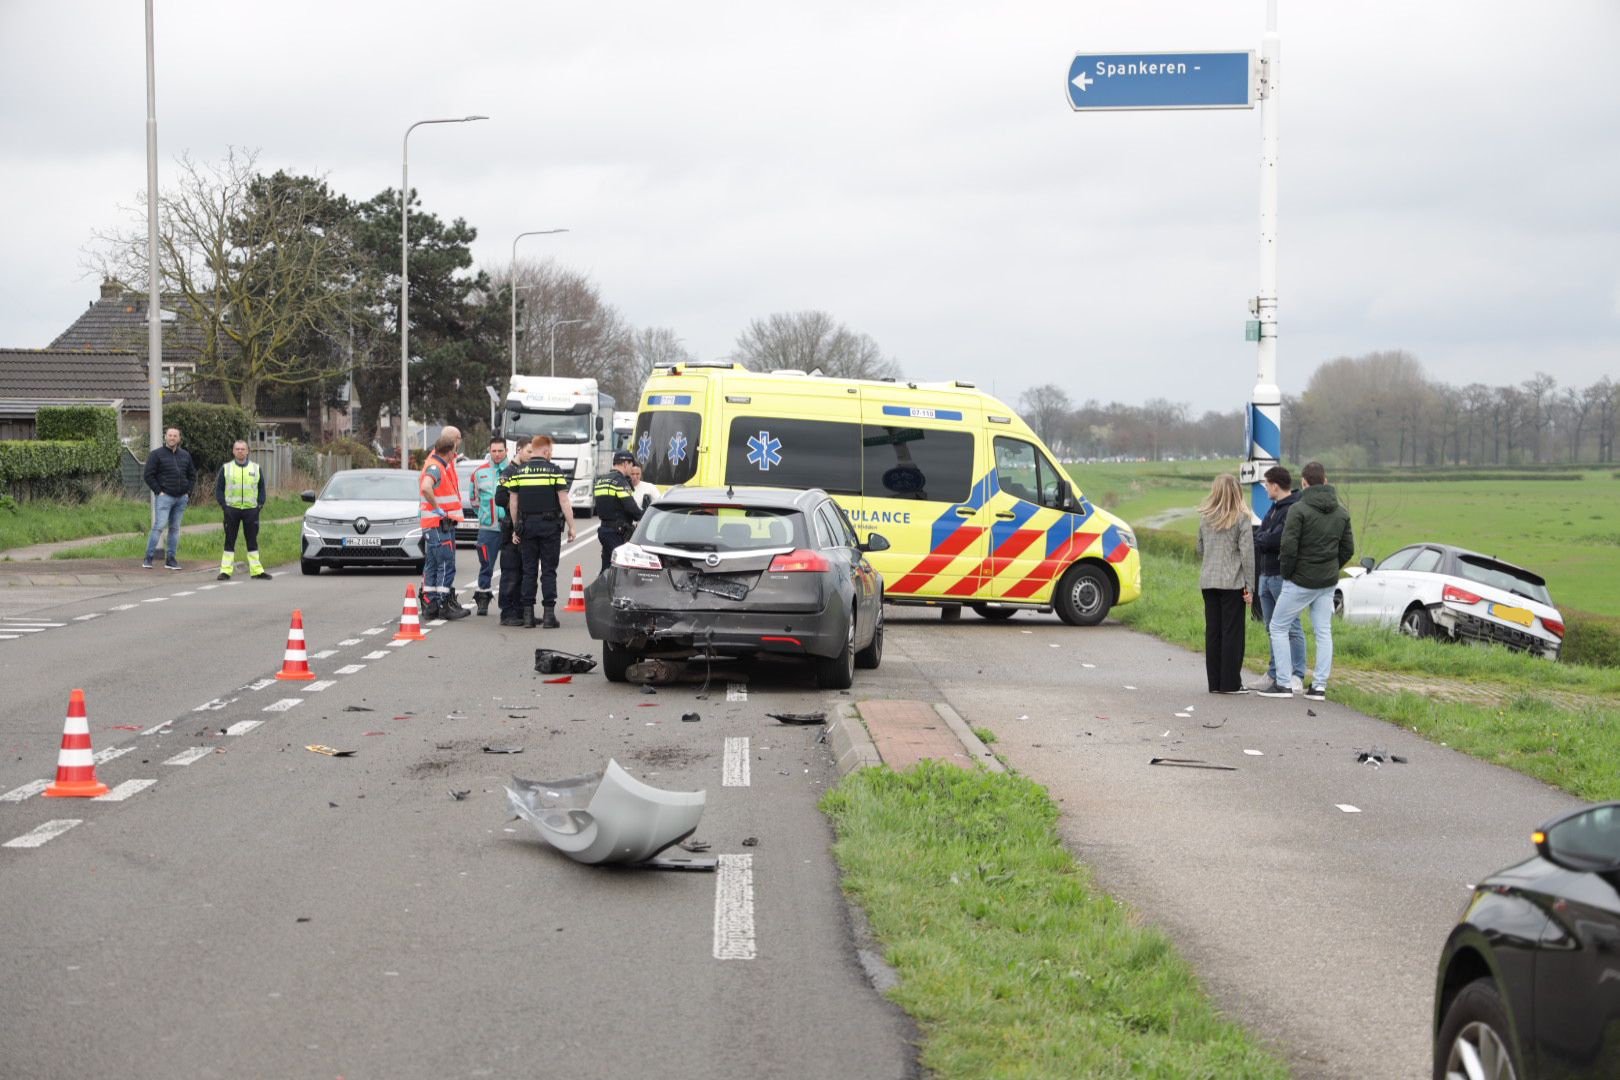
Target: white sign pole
x,y
1265,406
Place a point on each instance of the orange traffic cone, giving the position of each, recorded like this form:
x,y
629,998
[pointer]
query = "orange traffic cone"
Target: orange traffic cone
x,y
295,665
75,767
576,591
410,621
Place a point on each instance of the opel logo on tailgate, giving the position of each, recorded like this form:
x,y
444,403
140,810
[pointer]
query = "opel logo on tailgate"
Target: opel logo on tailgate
x,y
361,525
712,558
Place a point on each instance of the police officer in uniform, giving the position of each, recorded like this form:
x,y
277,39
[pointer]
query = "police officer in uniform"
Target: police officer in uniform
x,y
511,554
239,489
616,505
539,507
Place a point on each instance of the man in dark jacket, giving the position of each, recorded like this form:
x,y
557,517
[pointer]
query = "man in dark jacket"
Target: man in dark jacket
x,y
1267,548
616,506
1316,544
170,474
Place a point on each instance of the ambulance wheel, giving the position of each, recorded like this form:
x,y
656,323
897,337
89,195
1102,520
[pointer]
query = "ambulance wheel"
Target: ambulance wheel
x,y
994,614
309,566
1084,595
616,661
838,672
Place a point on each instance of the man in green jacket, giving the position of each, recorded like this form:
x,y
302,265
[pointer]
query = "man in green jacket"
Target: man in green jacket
x,y
1316,543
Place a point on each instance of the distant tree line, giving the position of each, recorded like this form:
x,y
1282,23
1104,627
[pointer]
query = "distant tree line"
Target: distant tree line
x,y
1375,410
296,290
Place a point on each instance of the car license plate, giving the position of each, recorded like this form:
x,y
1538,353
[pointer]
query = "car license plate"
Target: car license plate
x,y
731,589
362,541
1518,615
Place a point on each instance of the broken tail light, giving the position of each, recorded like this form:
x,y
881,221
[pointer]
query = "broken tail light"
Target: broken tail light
x,y
1554,625
1461,596
801,560
635,557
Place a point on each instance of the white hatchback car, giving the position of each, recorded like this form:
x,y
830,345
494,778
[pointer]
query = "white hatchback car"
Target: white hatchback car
x,y
1435,590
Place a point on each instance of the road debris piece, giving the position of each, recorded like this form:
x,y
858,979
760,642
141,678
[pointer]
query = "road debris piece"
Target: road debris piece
x,y
696,847
648,690
503,749
610,817
1211,727
126,727
357,708
690,718
302,918
1190,763
559,679
1310,712
1378,756
444,746
803,718
552,662
329,751
374,733
460,795
750,841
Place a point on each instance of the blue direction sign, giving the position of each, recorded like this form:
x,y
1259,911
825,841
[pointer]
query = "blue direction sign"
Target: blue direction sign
x,y
1219,80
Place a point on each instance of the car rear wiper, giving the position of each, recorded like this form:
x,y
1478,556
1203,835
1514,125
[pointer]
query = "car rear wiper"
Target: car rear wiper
x,y
692,546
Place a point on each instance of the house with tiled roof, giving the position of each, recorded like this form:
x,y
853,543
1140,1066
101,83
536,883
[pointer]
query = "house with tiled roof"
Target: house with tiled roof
x,y
32,378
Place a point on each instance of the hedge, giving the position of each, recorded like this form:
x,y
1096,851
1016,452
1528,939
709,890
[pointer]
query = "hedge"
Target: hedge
x,y
208,431
70,423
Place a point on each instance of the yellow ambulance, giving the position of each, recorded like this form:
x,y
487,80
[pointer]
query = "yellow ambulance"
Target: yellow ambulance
x,y
974,507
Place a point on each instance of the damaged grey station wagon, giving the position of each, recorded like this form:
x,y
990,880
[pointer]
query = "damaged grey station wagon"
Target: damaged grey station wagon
x,y
746,573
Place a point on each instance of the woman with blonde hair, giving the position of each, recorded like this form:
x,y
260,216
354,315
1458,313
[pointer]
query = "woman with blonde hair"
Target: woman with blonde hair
x,y
1226,548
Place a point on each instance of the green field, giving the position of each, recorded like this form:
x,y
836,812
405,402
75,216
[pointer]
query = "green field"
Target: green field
x,y
1567,530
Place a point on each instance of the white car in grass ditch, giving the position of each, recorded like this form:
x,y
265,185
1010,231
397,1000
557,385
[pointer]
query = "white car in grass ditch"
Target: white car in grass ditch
x,y
1436,590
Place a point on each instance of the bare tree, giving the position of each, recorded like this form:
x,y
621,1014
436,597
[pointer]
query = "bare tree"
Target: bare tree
x,y
1045,408
656,345
1161,417
1537,394
812,341
562,311
1605,395
263,263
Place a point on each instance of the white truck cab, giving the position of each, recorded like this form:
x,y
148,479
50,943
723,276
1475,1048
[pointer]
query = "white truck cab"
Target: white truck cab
x,y
575,414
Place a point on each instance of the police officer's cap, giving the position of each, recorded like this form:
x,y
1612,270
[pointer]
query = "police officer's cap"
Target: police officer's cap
x,y
623,457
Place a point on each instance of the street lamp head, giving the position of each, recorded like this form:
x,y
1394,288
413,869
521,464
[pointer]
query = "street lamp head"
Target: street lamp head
x,y
466,118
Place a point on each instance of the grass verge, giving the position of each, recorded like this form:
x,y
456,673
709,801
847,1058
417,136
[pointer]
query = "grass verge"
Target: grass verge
x,y
278,544
1574,748
40,522
1011,962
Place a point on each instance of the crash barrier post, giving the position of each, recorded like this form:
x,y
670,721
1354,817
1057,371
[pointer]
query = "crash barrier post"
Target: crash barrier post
x,y
295,664
410,620
576,591
75,764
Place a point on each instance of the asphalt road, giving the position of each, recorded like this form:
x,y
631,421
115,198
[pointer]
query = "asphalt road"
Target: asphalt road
x,y
1316,926
261,910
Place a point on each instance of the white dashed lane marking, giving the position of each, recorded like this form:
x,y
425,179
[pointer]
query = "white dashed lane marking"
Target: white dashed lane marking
x,y
323,654
734,909
374,630
284,704
349,669
186,757
101,757
350,641
242,727
87,618
124,791
208,706
163,727
736,691
27,791
120,607
397,644
378,655
734,771
261,684
317,687
188,592
48,831
154,599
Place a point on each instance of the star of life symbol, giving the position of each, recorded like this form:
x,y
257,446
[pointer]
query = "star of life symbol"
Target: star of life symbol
x,y
644,447
764,451
677,448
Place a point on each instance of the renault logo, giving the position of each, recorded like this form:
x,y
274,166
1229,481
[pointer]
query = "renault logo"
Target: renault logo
x,y
361,525
712,558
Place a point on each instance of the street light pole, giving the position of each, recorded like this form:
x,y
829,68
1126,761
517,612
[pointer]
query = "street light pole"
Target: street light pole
x,y
511,281
154,280
405,282
554,324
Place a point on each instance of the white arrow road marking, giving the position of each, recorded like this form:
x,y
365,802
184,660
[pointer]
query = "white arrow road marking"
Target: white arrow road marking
x,y
124,791
734,908
317,687
734,771
242,727
283,705
27,791
48,831
349,669
186,757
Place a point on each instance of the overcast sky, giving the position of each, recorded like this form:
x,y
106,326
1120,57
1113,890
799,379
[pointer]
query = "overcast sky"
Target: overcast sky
x,y
1449,170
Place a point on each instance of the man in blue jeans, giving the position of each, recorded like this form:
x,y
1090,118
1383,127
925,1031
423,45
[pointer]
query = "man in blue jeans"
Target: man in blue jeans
x,y
1316,543
440,510
170,474
1267,546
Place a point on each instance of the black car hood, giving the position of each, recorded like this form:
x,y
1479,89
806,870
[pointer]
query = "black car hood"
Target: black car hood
x,y
1537,875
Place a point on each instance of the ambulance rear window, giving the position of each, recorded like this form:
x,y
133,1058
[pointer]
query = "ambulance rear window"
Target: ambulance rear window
x,y
665,444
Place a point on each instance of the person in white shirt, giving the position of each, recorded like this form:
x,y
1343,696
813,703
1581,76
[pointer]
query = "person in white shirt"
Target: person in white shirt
x,y
645,494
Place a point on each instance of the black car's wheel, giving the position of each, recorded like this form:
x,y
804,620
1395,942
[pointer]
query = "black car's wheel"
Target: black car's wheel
x,y
1475,1041
616,661
1338,603
1084,595
994,614
871,656
1417,623
310,566
838,673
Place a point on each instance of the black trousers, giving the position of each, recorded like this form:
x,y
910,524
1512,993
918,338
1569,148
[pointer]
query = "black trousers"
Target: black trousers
x,y
1223,638
611,536
249,521
540,551
511,574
